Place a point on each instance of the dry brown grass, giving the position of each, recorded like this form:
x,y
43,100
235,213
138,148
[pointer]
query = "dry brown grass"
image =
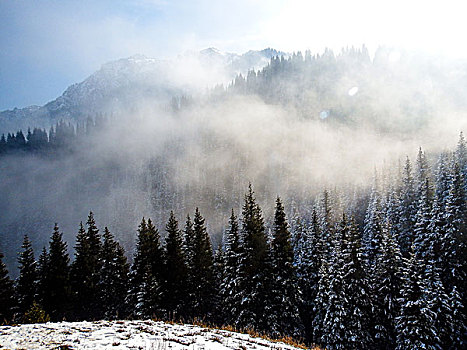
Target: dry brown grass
x,y
251,332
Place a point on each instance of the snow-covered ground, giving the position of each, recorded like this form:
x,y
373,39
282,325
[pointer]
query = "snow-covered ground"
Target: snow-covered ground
x,y
127,335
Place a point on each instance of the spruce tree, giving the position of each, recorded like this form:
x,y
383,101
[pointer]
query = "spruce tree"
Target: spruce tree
x,y
7,294
145,297
254,267
372,230
189,240
42,270
282,310
176,270
57,277
86,271
321,303
113,284
438,304
326,223
454,245
415,324
422,174
218,312
458,327
386,290
26,285
357,303
333,330
407,210
202,268
307,261
229,288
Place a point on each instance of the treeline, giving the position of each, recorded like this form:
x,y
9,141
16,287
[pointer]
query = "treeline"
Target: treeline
x,y
61,137
394,279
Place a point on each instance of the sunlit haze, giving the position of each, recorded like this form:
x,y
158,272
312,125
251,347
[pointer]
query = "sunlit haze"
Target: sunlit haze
x,y
46,46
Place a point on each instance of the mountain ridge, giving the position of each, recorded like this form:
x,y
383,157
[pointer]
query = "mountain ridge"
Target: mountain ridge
x,y
122,83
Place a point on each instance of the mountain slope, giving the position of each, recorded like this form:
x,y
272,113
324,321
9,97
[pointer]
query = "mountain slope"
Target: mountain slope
x,y
127,335
134,82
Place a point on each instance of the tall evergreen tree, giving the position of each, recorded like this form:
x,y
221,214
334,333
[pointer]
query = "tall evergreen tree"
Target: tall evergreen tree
x,y
307,260
218,312
42,270
189,253
282,310
176,270
333,330
422,174
407,210
147,273
57,277
26,286
386,291
202,269
254,267
321,303
86,271
415,324
372,230
229,289
113,284
454,242
458,332
7,294
357,302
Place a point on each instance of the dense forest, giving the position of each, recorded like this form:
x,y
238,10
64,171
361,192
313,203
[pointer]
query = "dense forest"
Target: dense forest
x,y
383,268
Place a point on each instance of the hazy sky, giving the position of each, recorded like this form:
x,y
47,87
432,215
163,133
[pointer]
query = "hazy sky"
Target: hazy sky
x,y
47,45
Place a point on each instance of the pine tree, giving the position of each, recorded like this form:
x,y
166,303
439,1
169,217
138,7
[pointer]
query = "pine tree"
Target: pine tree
x,y
189,253
282,312
372,230
229,289
113,283
202,269
218,312
423,240
253,268
7,294
57,278
333,333
321,303
86,271
357,302
42,270
443,177
307,261
386,290
415,324
26,285
347,304
438,304
326,224
406,210
176,271
147,273
458,330
422,174
454,242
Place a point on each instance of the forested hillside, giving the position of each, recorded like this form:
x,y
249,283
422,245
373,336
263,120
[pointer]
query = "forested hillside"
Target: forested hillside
x,y
383,268
366,247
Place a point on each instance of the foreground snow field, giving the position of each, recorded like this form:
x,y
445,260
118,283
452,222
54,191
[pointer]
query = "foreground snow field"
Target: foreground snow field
x,y
127,335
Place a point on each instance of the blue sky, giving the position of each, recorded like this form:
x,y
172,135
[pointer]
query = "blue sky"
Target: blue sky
x,y
47,45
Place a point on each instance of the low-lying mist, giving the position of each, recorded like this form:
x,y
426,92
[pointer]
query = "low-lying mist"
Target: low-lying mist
x,y
330,129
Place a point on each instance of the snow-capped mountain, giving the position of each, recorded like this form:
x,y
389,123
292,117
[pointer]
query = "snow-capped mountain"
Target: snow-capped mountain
x,y
127,84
